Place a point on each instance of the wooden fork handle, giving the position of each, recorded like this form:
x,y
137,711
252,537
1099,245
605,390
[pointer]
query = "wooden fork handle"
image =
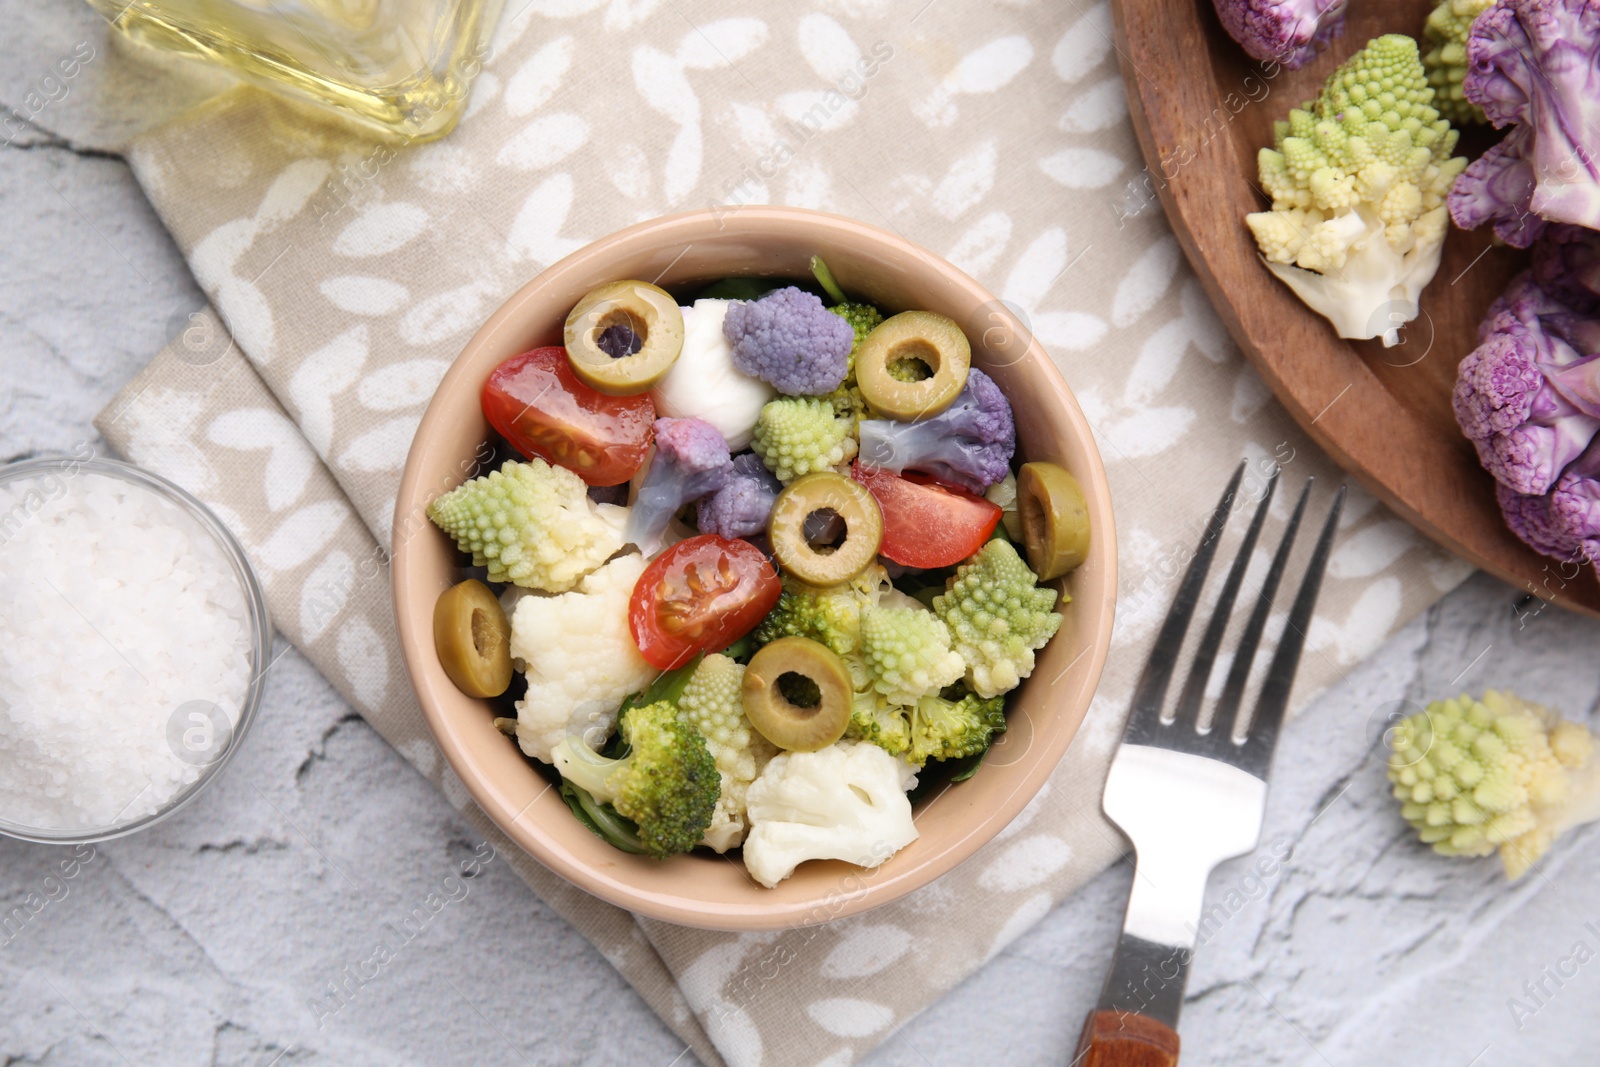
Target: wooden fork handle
x,y
1124,1039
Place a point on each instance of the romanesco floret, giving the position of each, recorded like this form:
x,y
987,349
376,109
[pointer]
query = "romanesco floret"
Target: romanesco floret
x,y
530,523
798,435
667,783
908,652
1500,773
998,615
1446,61
1358,182
713,703
580,658
843,802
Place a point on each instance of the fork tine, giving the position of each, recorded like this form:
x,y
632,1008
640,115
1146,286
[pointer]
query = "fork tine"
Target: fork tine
x,y
1245,655
1152,688
1263,729
1205,656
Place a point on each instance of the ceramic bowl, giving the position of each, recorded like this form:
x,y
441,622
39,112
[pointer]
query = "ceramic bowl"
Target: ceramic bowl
x,y
681,253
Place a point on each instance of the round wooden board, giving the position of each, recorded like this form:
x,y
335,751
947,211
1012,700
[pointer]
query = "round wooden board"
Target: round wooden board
x,y
1202,109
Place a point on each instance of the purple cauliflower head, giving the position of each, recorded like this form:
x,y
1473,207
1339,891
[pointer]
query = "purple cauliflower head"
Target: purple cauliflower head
x,y
969,444
1537,63
691,460
1565,522
1526,397
1288,32
1498,188
790,341
741,507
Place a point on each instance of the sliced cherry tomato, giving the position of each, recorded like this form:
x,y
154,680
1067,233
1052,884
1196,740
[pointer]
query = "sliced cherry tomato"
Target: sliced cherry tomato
x,y
927,525
541,407
700,595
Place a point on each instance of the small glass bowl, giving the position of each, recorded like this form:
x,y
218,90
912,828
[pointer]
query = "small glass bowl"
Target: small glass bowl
x,y
260,634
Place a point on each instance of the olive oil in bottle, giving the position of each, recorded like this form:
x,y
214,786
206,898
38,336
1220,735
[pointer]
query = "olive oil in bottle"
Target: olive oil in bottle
x,y
400,67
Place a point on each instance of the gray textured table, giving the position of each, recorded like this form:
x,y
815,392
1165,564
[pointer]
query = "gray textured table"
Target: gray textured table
x,y
202,941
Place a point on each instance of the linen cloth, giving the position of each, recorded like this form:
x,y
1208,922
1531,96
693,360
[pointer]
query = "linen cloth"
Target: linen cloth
x,y
348,275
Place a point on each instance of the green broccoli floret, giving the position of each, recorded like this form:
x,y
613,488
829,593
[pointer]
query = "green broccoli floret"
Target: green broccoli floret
x,y
530,523
1446,62
874,719
667,783
796,435
713,703
907,649
940,726
953,729
998,615
830,616
847,400
863,319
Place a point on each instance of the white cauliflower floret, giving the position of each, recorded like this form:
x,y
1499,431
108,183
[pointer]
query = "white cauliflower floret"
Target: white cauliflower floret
x,y
704,384
580,658
844,802
713,703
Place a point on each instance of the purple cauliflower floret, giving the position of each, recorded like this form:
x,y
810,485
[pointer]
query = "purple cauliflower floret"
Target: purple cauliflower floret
x,y
1527,398
1565,522
1288,32
1566,264
1536,63
969,444
790,341
741,507
691,460
1497,188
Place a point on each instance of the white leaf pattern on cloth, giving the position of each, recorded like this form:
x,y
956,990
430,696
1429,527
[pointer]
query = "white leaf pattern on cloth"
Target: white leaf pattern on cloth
x,y
289,461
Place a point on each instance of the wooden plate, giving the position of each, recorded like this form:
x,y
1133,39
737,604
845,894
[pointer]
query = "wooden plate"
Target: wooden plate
x,y
1202,109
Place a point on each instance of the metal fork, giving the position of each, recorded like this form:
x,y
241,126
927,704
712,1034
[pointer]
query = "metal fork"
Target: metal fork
x,y
1190,790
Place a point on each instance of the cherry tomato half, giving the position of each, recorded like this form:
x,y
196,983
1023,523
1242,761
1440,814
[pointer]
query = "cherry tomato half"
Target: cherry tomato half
x,y
700,595
541,407
927,525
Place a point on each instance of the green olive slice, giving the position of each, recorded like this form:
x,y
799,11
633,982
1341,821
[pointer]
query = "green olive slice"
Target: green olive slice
x,y
624,337
824,492
888,371
1055,519
797,694
473,639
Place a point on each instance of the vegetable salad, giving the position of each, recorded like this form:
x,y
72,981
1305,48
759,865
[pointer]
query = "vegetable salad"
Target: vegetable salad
x,y
758,566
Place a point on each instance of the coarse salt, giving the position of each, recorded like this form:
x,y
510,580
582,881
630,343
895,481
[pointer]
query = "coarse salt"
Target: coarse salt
x,y
122,628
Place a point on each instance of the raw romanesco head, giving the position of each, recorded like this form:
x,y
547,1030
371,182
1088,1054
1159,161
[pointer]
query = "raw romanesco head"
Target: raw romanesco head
x,y
998,615
1358,180
1446,59
1372,141
798,435
713,703
908,653
1500,773
530,523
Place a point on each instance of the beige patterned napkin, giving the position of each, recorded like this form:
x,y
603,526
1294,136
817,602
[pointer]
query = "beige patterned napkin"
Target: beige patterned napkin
x,y
349,275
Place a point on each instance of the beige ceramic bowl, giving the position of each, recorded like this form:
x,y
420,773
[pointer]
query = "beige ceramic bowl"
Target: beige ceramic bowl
x,y
682,252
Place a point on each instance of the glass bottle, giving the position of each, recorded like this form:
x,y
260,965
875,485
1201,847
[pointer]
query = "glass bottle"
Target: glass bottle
x,y
401,67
